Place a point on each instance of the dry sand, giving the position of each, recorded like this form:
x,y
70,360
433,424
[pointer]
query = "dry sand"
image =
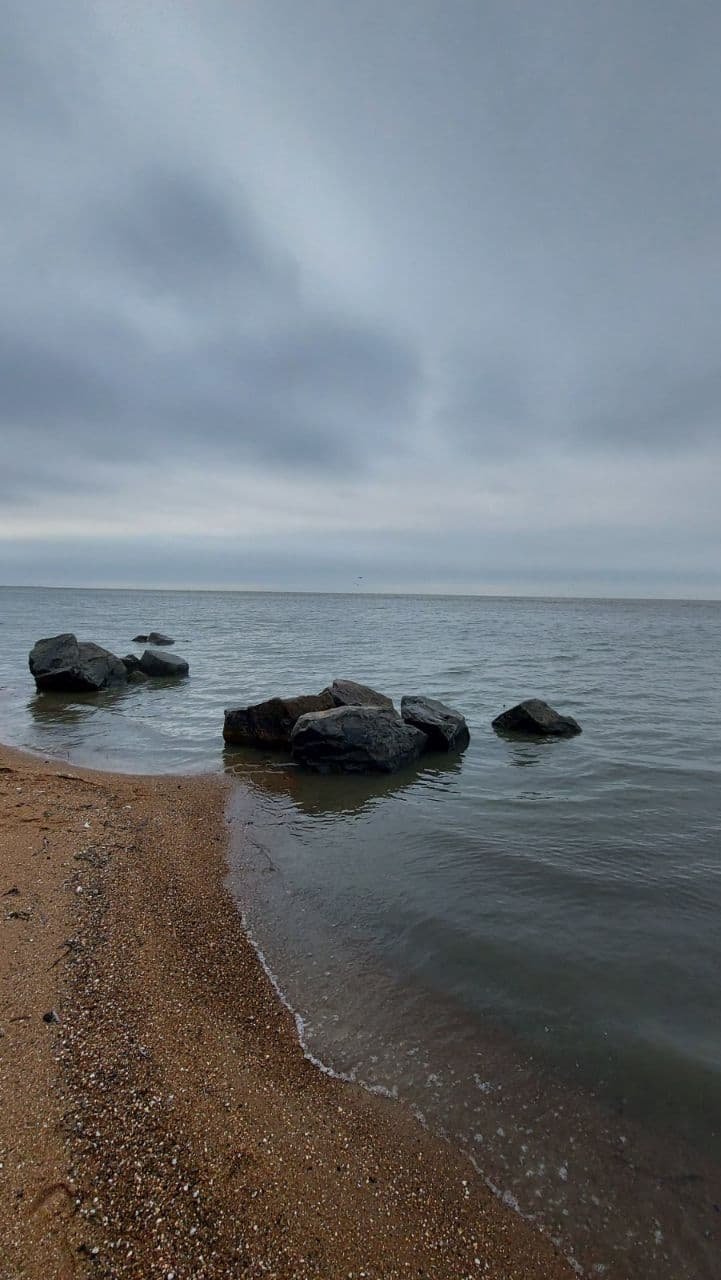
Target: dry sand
x,y
167,1124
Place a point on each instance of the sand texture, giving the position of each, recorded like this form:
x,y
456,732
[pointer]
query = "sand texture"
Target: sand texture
x,y
167,1124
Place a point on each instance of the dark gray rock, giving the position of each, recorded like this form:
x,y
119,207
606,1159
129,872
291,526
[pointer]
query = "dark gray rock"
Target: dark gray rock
x,y
536,717
140,639
163,664
446,728
346,693
137,677
157,637
131,662
269,724
355,740
65,664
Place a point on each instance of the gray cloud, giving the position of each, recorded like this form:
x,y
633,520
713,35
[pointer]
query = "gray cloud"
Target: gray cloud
x,y
486,404
248,368
655,406
362,241
178,235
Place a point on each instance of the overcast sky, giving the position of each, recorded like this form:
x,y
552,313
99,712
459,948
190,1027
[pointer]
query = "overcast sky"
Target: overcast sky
x,y
421,294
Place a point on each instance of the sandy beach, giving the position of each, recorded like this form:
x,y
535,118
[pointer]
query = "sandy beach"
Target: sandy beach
x,y
158,1116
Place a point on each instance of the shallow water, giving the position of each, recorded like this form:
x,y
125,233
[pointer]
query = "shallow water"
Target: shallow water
x,y
530,912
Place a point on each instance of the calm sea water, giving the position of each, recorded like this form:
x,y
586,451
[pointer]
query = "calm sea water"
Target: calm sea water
x,y
524,942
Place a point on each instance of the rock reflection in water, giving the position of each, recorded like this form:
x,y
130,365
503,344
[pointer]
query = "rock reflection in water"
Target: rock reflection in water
x,y
319,795
51,709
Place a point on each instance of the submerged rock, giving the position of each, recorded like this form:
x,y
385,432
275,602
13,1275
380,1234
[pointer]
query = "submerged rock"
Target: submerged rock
x,y
269,724
536,717
346,693
163,664
356,739
153,637
446,729
64,663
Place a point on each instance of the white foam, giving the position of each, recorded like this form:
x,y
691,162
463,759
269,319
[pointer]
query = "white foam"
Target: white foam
x,y
301,1026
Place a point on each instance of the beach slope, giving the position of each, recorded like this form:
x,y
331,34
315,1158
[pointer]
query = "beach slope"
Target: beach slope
x,y
157,1115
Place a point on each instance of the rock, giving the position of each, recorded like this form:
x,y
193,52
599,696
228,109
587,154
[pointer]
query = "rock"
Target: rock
x,y
138,677
355,739
64,663
269,724
535,717
140,639
51,1016
131,662
446,729
157,637
163,664
346,693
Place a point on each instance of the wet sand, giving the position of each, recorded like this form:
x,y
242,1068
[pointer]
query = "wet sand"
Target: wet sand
x,y
167,1123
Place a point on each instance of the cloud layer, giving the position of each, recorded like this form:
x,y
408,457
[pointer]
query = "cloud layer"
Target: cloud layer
x,y
426,292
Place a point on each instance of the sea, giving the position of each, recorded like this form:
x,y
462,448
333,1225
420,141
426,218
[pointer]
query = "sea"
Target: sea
x,y
521,943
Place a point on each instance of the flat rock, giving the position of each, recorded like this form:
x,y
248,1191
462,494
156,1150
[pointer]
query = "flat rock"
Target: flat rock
x,y
446,729
536,717
355,739
64,663
163,664
269,724
157,637
140,639
346,693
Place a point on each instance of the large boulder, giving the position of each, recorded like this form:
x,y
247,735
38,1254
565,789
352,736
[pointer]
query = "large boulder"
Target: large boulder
x,y
163,664
269,724
346,693
355,740
536,717
446,729
63,663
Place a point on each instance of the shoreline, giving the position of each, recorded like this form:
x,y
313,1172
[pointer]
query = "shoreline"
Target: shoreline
x,y
169,1123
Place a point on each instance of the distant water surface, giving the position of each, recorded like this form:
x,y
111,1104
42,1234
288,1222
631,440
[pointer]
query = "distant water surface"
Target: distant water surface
x,y
525,941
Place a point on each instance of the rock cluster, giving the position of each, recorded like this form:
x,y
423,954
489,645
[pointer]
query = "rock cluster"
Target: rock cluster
x,y
65,664
348,728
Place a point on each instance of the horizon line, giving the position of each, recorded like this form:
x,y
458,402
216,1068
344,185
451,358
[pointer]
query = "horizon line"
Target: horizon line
x,y
307,591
